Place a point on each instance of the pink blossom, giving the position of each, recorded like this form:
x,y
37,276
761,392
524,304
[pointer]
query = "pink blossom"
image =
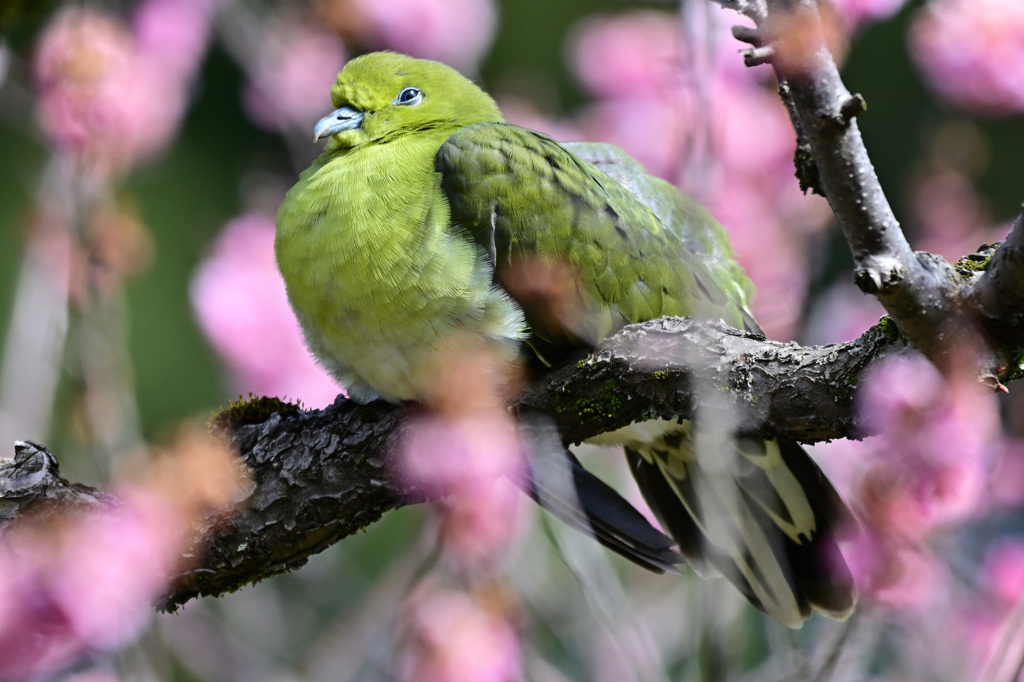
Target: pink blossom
x,y
86,581
455,638
894,575
986,619
90,588
928,468
1006,481
938,438
1002,572
468,461
859,12
100,99
240,302
969,52
628,55
289,82
174,34
456,32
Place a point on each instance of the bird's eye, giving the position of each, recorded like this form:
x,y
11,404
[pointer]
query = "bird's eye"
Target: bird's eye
x,y
409,97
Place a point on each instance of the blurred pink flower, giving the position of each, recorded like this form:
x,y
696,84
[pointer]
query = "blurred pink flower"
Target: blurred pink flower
x,y
456,32
240,302
892,574
626,55
1006,481
986,619
1002,572
90,588
290,83
85,581
467,461
928,467
970,52
939,437
455,638
859,12
174,34
109,98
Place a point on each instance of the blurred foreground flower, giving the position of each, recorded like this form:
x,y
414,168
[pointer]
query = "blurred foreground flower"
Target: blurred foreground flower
x,y
970,52
927,469
109,97
239,299
466,462
466,453
84,584
456,636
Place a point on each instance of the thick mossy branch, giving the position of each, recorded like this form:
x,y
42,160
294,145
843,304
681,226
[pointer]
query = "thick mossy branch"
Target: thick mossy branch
x,y
659,370
321,475
318,476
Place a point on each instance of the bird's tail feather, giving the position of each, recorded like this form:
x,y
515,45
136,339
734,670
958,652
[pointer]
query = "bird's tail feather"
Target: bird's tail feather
x,y
560,484
766,518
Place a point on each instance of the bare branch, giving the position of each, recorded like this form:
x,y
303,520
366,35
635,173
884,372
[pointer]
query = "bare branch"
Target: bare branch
x,y
652,370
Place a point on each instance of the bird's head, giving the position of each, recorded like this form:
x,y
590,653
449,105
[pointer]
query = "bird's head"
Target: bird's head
x,y
384,95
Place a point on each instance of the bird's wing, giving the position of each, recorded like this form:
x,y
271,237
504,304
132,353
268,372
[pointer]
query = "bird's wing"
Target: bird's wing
x,y
702,235
581,253
586,247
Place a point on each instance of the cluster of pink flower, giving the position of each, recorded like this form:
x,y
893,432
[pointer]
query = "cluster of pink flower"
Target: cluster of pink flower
x,y
466,454
857,13
110,93
90,592
85,584
239,300
458,636
466,461
927,470
969,51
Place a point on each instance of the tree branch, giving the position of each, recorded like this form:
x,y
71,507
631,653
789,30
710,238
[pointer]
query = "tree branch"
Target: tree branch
x,y
919,290
998,295
321,475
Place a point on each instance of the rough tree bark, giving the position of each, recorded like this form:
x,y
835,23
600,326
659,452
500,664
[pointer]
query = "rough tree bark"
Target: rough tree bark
x,y
320,475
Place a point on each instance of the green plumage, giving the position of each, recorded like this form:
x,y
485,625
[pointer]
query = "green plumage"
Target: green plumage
x,y
411,231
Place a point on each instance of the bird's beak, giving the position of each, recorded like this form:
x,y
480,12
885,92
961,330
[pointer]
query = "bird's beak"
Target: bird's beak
x,y
345,118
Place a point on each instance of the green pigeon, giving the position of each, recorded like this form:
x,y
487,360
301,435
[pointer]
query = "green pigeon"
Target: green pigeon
x,y
421,225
